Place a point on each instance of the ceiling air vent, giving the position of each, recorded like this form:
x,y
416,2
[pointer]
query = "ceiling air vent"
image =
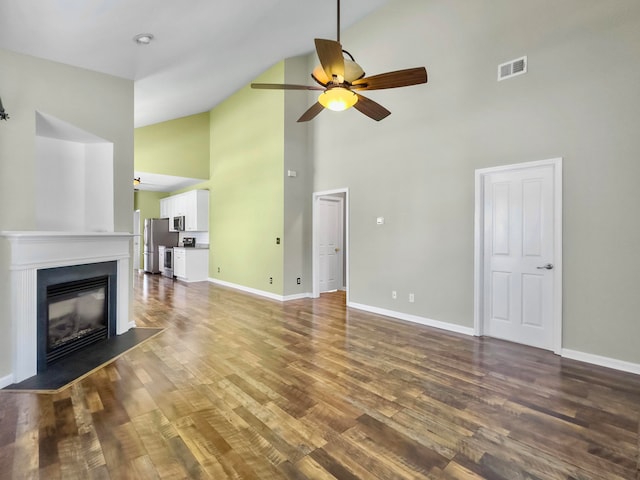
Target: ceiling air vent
x,y
512,68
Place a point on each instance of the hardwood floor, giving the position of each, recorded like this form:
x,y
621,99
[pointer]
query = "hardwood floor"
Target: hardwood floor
x,y
241,387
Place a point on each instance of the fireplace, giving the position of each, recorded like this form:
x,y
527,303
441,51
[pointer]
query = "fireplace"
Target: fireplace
x,y
76,308
25,255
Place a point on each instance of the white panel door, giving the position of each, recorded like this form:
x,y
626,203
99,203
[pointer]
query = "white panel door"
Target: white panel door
x,y
519,255
331,219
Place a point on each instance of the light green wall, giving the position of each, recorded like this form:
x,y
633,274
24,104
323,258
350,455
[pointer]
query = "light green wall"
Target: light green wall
x,y
76,96
246,210
148,203
416,168
177,147
250,152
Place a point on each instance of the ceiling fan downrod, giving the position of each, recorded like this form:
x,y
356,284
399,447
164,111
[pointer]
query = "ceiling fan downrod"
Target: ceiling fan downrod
x,y
338,16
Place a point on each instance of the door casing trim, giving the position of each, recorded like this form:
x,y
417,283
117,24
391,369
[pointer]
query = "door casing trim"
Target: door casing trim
x,y
478,281
315,267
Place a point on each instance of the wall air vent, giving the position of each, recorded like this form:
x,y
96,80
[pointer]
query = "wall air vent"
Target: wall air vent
x,y
512,68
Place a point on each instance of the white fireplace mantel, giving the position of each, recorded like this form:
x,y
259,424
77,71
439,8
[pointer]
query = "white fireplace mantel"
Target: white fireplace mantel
x,y
31,251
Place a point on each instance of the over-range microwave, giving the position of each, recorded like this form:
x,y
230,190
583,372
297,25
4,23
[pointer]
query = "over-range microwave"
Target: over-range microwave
x,y
178,223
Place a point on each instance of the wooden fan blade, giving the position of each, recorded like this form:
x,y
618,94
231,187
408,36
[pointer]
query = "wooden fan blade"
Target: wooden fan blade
x,y
371,109
283,86
399,78
319,76
315,109
330,55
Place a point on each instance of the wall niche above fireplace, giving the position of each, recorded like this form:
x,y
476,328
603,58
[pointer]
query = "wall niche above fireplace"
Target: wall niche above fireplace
x,y
73,178
76,308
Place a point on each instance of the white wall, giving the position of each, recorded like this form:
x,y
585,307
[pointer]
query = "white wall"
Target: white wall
x,y
98,193
59,176
74,186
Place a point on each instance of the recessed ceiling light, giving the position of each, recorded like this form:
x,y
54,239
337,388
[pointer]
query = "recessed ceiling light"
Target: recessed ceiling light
x,y
143,38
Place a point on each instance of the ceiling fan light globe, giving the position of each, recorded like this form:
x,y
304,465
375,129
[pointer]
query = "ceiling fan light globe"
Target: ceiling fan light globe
x,y
352,71
338,99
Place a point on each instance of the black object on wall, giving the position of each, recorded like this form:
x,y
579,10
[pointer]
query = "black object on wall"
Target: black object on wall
x,y
3,115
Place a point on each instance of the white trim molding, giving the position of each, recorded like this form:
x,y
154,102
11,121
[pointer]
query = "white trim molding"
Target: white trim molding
x,y
315,254
6,381
602,361
261,293
407,317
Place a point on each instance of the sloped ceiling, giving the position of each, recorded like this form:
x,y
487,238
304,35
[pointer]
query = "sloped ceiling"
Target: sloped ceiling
x,y
203,50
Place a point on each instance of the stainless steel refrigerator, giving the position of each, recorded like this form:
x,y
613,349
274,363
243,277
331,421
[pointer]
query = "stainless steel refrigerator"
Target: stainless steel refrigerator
x,y
156,233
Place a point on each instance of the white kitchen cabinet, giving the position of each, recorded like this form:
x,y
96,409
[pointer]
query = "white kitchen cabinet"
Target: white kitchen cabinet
x,y
179,205
164,208
179,263
197,211
191,264
193,205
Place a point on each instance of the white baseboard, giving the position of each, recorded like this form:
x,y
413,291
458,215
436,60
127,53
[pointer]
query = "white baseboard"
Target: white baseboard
x,y
602,361
6,381
262,293
451,327
297,296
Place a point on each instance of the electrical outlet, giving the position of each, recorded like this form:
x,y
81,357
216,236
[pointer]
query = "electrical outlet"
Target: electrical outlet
x,y
277,240
298,281
270,279
394,294
218,269
411,298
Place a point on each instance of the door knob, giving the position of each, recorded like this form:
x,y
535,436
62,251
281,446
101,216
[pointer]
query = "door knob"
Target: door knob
x,y
337,250
548,266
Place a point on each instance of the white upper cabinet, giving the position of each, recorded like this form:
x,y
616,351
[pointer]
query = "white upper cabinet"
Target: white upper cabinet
x,y
193,205
197,211
180,205
165,204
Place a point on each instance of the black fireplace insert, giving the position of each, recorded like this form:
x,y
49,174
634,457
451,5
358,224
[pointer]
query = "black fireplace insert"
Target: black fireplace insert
x,y
76,308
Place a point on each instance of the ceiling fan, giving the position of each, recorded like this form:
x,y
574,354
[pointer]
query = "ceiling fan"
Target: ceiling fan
x,y
340,78
139,184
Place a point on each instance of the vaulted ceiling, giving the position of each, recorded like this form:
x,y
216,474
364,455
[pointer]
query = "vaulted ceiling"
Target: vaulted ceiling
x,y
202,51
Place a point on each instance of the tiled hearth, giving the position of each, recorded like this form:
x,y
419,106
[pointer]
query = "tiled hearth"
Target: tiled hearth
x,y
31,251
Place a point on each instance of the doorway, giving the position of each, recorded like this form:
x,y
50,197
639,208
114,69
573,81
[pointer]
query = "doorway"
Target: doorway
x,y
330,241
518,253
